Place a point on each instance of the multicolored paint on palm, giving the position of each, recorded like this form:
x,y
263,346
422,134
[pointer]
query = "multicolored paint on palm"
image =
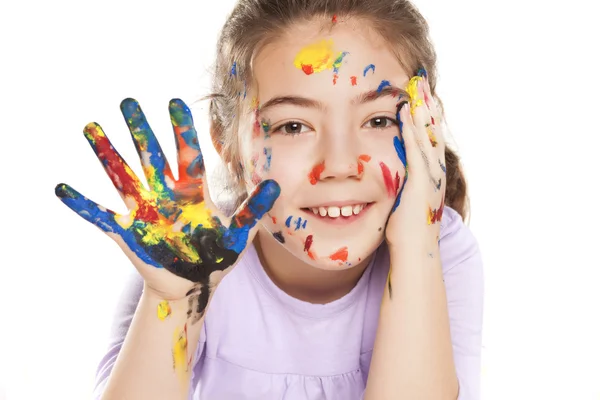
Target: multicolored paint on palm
x,y
168,225
318,57
163,310
435,215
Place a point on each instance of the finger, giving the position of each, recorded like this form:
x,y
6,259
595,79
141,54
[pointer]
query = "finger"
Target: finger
x,y
259,202
123,178
435,133
156,167
115,225
103,218
189,156
421,114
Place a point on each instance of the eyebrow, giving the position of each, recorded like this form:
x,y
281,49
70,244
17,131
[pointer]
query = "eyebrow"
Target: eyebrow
x,y
362,98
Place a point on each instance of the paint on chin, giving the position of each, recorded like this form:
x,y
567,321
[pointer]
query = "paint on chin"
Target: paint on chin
x,y
279,237
387,179
307,243
340,255
315,174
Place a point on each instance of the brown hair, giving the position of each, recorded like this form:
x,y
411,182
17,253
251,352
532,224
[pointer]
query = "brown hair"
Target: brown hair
x,y
255,23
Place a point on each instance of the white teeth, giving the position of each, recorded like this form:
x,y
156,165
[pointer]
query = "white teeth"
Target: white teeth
x,y
333,211
347,211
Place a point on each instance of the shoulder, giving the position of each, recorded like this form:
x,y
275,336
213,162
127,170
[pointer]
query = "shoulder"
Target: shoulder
x,y
457,242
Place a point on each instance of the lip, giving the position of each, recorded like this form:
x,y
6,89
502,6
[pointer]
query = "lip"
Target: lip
x,y
341,220
338,203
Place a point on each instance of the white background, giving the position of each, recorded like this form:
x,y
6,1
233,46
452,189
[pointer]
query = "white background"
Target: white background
x,y
520,84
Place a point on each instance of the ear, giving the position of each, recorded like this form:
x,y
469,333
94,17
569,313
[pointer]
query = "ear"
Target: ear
x,y
216,135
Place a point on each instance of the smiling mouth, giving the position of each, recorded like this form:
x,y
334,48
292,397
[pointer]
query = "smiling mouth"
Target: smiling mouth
x,y
336,213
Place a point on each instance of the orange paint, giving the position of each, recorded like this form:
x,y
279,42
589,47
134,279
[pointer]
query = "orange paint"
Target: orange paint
x,y
353,80
315,174
274,219
340,255
334,19
335,78
361,167
308,69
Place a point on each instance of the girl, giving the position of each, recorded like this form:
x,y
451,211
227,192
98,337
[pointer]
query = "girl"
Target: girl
x,y
352,277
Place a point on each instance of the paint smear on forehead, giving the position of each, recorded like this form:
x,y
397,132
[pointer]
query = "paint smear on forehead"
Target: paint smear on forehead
x,y
318,57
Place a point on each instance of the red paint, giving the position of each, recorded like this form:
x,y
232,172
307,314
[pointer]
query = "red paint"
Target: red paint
x,y
353,80
361,167
315,174
335,78
308,243
274,219
334,20
308,69
340,255
121,175
397,183
387,178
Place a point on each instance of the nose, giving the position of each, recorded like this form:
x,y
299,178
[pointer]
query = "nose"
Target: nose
x,y
340,155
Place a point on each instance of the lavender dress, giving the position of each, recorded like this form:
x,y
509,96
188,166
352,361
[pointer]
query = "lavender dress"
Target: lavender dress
x,y
260,343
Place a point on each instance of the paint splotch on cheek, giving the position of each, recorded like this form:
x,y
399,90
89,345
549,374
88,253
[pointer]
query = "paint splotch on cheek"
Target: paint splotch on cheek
x,y
315,57
307,244
267,151
279,237
387,179
368,68
361,158
315,174
298,223
340,255
163,310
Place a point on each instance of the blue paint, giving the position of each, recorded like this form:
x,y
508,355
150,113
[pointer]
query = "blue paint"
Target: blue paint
x,y
442,166
288,221
400,150
102,218
367,68
422,72
304,224
233,69
142,134
260,202
338,62
268,152
382,85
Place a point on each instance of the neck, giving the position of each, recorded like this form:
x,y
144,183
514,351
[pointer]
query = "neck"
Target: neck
x,y
301,280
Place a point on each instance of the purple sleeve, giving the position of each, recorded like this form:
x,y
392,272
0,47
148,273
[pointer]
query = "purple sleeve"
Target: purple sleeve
x,y
463,278
123,315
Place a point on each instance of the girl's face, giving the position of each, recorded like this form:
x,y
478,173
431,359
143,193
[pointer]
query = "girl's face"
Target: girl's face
x,y
322,126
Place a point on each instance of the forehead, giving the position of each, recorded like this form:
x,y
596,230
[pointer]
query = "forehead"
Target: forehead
x,y
282,66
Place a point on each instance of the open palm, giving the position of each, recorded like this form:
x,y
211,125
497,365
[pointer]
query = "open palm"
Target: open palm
x,y
172,226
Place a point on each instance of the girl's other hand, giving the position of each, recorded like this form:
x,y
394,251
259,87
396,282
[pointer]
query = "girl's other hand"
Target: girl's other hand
x,y
173,233
415,217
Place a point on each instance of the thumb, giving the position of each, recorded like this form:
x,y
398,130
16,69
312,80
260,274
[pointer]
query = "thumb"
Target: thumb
x,y
258,203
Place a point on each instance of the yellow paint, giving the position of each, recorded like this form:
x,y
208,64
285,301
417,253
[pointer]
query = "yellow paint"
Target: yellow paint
x,y
197,214
179,351
413,91
319,55
164,310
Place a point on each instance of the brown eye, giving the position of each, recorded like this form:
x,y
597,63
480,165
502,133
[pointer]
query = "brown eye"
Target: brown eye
x,y
293,128
380,123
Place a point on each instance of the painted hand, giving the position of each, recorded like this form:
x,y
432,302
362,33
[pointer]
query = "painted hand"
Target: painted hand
x,y
172,233
420,146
